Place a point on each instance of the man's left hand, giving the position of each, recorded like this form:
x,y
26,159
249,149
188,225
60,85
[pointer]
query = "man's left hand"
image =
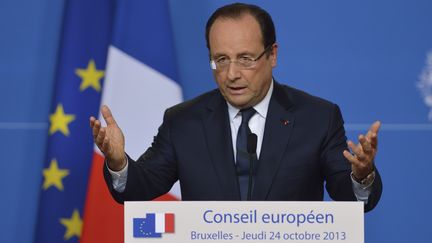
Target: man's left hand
x,y
363,153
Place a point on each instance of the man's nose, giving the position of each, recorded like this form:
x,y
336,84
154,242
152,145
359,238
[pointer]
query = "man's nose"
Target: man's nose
x,y
233,71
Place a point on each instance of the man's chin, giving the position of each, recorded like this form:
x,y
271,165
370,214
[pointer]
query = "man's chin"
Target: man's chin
x,y
240,103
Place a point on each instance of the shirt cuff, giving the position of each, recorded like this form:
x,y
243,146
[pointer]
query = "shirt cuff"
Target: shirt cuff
x,y
361,191
119,178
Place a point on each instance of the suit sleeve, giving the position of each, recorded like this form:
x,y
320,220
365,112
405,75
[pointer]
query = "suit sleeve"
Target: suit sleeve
x,y
153,174
336,167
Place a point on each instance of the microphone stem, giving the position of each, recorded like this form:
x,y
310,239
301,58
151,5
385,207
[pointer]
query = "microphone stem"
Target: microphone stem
x,y
251,166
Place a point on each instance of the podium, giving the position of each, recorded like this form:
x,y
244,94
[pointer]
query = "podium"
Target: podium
x,y
243,221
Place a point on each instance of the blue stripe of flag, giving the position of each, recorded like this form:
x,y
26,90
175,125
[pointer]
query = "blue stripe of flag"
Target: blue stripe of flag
x,y
146,23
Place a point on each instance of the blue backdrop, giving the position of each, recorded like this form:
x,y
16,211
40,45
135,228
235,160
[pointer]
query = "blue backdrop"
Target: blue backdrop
x,y
367,56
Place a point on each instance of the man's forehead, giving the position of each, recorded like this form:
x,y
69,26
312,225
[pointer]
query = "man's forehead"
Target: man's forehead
x,y
239,34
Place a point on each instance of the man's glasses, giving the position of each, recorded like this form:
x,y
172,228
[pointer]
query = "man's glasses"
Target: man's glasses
x,y
244,62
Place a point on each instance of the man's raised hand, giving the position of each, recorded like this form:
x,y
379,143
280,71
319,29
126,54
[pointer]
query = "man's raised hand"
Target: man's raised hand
x,y
110,139
363,153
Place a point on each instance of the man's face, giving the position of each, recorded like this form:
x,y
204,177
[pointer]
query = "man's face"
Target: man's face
x,y
234,39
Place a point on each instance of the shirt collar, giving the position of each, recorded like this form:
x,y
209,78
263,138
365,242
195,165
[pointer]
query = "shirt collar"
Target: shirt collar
x,y
261,108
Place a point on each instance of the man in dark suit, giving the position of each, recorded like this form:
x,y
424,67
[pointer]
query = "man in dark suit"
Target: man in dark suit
x,y
300,146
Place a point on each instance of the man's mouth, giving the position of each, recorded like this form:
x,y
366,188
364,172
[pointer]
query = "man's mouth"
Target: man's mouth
x,y
236,90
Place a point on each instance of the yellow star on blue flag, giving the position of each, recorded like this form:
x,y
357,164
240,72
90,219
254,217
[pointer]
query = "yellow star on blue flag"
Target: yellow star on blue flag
x,y
73,225
53,176
60,121
91,77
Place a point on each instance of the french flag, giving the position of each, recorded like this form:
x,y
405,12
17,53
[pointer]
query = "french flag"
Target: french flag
x,y
140,84
164,223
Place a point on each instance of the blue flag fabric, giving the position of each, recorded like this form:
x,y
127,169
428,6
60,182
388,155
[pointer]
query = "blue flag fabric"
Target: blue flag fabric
x,y
142,29
145,227
86,34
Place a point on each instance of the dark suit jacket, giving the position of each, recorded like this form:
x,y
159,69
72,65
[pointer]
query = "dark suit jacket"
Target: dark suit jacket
x,y
297,158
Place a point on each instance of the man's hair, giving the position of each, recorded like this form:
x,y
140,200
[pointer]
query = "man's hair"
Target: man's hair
x,y
238,10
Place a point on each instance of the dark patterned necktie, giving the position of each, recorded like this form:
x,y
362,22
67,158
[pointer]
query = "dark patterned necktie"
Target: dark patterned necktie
x,y
242,156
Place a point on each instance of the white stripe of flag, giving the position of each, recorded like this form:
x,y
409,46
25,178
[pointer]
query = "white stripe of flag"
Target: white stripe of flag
x,y
160,223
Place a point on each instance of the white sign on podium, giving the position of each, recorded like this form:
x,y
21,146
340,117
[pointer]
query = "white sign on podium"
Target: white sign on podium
x,y
244,221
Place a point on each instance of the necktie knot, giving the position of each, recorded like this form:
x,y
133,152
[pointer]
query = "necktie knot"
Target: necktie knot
x,y
247,114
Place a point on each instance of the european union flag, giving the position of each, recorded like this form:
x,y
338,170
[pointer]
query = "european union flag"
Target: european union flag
x,y
86,34
145,227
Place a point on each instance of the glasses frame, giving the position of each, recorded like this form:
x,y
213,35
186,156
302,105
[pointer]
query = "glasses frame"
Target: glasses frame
x,y
254,61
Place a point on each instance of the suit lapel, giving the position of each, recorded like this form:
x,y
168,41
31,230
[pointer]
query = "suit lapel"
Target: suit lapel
x,y
219,141
278,128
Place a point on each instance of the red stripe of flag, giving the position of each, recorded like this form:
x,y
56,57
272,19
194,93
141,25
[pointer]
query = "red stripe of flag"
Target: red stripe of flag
x,y
103,217
169,223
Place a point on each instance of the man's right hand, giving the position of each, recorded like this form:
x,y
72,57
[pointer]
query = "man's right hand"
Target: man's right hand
x,y
110,139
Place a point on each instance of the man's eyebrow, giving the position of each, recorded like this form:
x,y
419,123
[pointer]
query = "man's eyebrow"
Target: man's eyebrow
x,y
244,53
216,55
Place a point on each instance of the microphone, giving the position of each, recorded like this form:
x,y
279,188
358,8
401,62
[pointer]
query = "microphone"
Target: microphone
x,y
252,143
251,149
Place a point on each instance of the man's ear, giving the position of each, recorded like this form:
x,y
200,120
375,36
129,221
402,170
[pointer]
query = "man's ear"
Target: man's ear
x,y
273,54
